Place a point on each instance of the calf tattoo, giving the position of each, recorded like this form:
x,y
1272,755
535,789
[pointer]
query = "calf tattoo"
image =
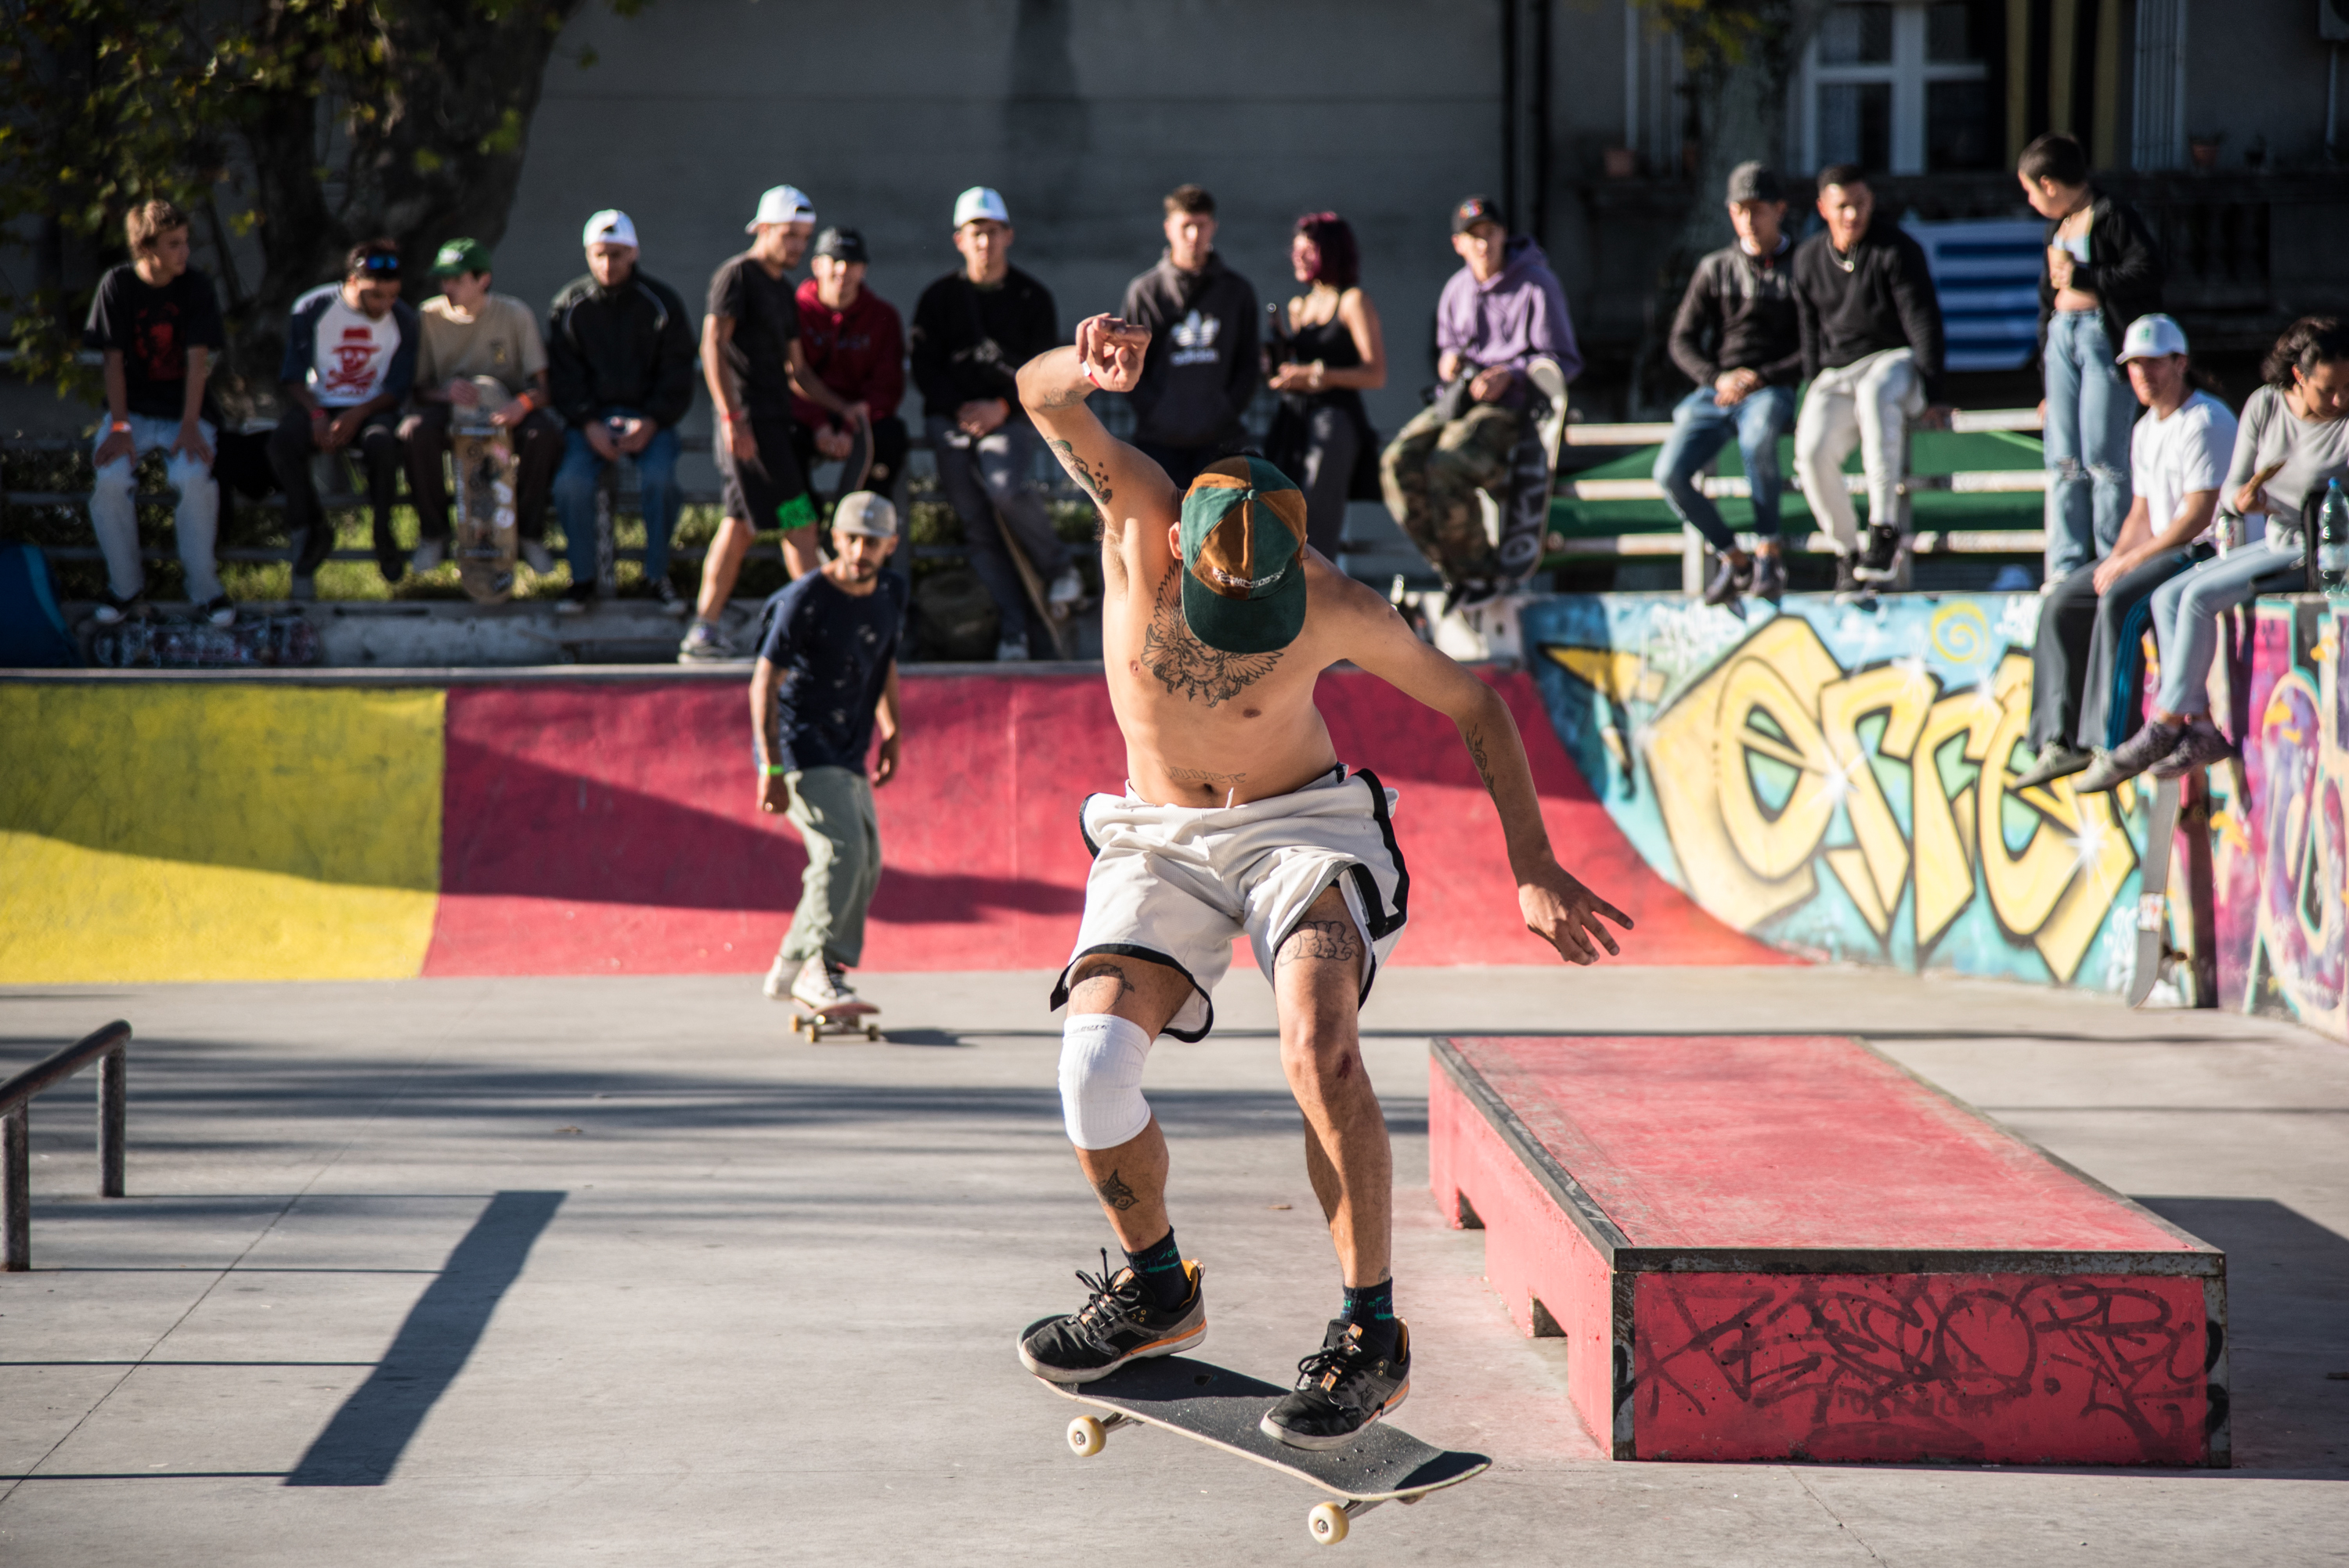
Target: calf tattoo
x,y
1115,1193
1187,668
1331,939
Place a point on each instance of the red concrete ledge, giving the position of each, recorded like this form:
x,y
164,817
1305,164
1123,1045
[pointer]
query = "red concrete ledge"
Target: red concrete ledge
x,y
1789,1248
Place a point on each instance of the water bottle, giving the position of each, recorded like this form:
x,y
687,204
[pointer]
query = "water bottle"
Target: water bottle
x,y
2333,539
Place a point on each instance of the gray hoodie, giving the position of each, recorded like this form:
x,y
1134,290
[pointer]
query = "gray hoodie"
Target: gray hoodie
x,y
1201,371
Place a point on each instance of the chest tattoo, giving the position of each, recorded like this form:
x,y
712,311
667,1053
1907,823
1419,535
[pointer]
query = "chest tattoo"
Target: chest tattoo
x,y
1187,668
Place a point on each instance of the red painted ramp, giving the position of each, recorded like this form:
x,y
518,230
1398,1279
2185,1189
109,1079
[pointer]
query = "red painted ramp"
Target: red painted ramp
x,y
1774,1247
607,828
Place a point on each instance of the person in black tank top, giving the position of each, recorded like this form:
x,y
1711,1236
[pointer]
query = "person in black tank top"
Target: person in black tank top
x,y
1323,354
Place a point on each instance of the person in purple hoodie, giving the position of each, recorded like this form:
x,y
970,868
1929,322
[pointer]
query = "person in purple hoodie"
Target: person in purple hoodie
x,y
1498,314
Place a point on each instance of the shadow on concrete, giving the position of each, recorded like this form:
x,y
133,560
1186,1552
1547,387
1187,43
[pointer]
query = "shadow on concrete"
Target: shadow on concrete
x,y
2286,1278
364,1441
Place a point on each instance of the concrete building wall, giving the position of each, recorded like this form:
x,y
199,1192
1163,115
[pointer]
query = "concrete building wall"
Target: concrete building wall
x,y
2257,68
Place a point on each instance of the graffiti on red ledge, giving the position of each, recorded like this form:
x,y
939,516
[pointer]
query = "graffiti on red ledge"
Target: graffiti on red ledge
x,y
1845,1368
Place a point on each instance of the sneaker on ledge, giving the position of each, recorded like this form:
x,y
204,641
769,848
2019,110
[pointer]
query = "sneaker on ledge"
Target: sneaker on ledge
x,y
542,561
113,612
2201,745
428,555
2056,759
1769,576
1011,651
1118,1324
1849,589
1342,1388
1730,580
575,599
220,612
2130,757
703,641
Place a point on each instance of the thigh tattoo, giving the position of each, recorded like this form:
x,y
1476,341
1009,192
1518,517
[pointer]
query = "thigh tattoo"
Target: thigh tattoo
x,y
1336,940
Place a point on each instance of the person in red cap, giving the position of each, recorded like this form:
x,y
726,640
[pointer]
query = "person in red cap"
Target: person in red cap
x,y
1239,820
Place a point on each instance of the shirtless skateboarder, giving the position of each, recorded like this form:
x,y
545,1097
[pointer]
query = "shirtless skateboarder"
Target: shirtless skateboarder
x,y
1238,817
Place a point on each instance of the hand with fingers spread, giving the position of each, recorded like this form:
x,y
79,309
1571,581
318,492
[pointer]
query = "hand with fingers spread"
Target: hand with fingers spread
x,y
1112,351
1563,912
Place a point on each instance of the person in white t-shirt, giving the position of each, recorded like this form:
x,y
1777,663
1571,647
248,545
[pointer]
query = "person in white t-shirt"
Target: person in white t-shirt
x,y
350,357
2088,668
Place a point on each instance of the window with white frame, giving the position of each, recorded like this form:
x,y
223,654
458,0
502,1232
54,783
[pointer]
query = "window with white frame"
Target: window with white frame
x,y
1900,85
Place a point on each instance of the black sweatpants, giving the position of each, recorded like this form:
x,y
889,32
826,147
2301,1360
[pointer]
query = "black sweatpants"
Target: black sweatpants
x,y
2087,669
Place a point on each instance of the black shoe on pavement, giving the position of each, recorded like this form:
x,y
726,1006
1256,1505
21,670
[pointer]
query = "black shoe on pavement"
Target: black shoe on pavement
x,y
1849,589
1730,580
2056,759
1342,1388
1769,576
2201,745
1116,1324
2130,757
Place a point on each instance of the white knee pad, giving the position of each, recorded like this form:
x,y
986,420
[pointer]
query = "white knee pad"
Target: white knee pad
x,y
1101,1079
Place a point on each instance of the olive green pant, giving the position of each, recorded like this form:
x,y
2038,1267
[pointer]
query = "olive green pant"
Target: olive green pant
x,y
1431,474
832,809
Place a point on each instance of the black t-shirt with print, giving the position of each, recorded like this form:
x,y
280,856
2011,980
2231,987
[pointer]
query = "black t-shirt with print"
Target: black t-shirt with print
x,y
831,650
766,313
154,328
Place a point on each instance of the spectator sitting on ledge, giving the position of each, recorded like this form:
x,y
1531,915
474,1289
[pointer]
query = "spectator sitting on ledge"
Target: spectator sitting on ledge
x,y
468,332
350,358
619,352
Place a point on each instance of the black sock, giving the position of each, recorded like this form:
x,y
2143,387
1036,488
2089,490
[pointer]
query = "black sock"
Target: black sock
x,y
1161,1269
1371,1308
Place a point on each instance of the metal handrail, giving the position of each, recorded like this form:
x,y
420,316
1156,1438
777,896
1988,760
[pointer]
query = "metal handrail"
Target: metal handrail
x,y
110,1047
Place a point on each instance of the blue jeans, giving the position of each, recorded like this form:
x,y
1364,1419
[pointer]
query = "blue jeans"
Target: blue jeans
x,y
2089,411
1700,427
2187,608
574,499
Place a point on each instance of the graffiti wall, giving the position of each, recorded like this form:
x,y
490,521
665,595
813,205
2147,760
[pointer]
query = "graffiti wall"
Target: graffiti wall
x,y
1834,779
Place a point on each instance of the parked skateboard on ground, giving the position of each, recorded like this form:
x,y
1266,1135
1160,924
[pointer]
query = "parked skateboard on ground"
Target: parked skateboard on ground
x,y
848,1018
483,457
1223,1408
2153,949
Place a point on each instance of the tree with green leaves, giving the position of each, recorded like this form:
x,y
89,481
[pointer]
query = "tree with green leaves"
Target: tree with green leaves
x,y
306,125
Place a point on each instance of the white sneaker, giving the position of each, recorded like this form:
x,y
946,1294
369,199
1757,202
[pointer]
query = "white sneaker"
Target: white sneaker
x,y
427,556
824,988
1066,588
542,561
778,983
1011,651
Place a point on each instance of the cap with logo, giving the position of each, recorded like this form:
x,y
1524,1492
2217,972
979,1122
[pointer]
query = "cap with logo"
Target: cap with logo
x,y
862,511
1243,561
1755,182
461,256
977,203
843,244
610,227
2151,336
1477,210
783,204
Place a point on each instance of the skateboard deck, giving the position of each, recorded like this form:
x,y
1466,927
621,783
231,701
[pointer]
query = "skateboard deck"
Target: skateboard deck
x,y
856,467
483,457
1221,1408
2153,947
1518,524
1034,587
854,1019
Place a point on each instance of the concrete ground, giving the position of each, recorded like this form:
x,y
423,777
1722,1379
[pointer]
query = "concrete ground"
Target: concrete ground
x,y
564,1270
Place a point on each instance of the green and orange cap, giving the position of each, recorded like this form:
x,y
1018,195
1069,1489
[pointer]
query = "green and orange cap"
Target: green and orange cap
x,y
1244,557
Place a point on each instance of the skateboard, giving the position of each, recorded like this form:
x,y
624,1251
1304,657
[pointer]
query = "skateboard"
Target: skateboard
x,y
1518,524
2154,951
1055,627
856,467
483,457
853,1018
1221,1408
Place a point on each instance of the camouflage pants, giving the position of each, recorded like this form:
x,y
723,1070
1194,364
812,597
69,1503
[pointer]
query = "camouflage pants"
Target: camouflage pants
x,y
1430,475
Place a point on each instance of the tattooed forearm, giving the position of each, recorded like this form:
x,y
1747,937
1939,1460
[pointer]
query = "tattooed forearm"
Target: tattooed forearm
x,y
1474,736
1092,484
1114,1193
1331,939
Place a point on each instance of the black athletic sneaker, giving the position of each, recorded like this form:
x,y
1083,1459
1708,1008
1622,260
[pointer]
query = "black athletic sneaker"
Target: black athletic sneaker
x,y
1730,580
1342,1388
1769,577
1116,1324
1879,558
1849,588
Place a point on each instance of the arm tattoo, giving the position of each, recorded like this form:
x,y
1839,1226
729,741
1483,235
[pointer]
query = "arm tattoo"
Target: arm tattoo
x,y
1187,668
1114,1193
1092,484
1475,739
1331,939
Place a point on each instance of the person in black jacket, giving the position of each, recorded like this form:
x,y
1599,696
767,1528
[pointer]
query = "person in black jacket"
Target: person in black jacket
x,y
973,329
619,357
1872,349
2102,272
1201,370
1739,338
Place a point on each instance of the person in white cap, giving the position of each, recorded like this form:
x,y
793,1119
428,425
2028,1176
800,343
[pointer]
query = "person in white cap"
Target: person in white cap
x,y
619,360
752,360
973,329
2088,668
825,679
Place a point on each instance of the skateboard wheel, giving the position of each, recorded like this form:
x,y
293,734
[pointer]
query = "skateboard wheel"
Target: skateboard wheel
x,y
1328,1523
1086,1436
872,1031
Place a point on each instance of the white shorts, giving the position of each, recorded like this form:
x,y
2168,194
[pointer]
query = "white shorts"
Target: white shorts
x,y
1175,885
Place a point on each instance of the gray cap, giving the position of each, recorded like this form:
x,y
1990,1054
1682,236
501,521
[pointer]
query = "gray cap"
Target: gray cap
x,y
1755,182
862,511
